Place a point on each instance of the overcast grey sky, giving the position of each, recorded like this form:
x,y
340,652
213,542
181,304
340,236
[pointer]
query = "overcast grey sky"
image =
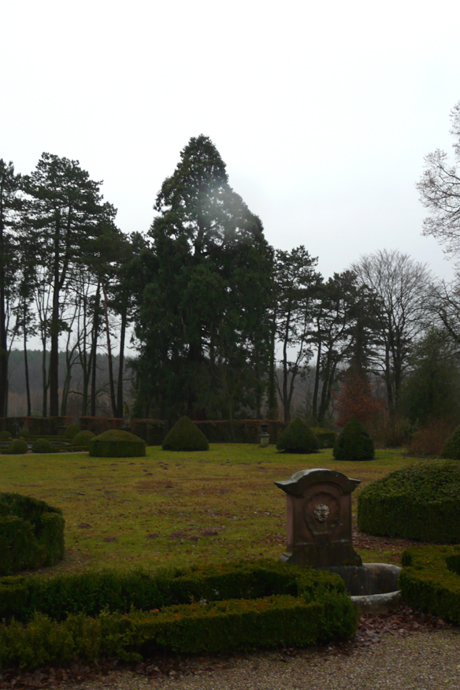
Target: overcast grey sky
x,y
323,112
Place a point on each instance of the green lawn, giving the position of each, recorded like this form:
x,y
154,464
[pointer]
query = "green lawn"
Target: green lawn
x,y
181,508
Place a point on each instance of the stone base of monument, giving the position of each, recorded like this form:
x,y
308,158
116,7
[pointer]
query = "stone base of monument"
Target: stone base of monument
x,y
319,535
372,586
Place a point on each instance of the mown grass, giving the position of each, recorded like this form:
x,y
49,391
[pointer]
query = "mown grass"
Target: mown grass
x,y
176,508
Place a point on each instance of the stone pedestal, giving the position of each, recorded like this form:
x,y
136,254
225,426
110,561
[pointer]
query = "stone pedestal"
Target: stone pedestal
x,y
318,507
264,436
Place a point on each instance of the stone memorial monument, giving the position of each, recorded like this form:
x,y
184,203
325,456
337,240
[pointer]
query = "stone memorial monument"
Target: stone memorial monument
x,y
318,505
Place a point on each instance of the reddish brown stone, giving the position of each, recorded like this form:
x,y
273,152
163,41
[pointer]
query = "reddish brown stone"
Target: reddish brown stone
x,y
318,512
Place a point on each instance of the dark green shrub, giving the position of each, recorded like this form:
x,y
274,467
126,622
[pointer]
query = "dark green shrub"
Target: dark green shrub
x,y
298,438
421,501
326,438
92,592
186,610
185,435
278,621
31,533
71,431
354,443
5,436
116,443
17,447
82,439
42,445
430,580
451,448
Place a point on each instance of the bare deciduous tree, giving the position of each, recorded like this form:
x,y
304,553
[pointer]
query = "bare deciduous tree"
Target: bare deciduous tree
x,y
401,286
439,189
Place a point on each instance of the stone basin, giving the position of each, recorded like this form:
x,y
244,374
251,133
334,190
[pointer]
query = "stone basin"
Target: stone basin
x,y
372,586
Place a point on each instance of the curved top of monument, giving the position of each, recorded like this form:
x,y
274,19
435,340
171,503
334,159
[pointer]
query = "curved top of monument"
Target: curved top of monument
x,y
304,479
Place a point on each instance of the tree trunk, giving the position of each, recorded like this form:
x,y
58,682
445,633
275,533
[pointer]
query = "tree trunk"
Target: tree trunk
x,y
3,349
94,348
45,382
121,361
109,354
26,371
54,335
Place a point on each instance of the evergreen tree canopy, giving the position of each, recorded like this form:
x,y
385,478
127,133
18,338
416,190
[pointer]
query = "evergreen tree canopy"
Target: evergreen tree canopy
x,y
202,322
63,215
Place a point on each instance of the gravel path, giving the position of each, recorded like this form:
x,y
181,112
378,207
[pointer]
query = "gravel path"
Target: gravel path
x,y
399,650
420,661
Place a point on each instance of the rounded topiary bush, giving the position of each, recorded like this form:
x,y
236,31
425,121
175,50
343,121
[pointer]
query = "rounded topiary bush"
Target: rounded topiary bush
x,y
326,437
17,447
42,445
31,534
185,435
82,439
298,438
5,436
354,443
71,431
420,502
451,450
116,443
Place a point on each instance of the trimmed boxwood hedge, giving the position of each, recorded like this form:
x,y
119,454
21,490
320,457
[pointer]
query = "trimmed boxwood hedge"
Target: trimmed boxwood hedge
x,y
42,445
185,435
298,438
421,501
240,605
451,449
116,443
326,438
430,580
354,443
82,439
71,431
18,446
31,533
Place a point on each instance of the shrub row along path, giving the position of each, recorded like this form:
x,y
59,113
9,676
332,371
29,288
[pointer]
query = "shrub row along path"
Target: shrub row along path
x,y
400,650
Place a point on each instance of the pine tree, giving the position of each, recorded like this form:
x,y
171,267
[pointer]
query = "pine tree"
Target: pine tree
x,y
63,215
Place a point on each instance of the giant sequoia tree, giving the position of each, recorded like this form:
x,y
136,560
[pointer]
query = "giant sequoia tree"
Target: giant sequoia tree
x,y
202,321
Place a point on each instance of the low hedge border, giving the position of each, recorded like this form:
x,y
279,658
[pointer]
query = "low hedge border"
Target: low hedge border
x,y
115,443
326,438
31,533
187,610
430,580
420,501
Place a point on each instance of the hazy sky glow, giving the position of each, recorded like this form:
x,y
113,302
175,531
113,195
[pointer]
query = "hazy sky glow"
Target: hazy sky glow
x,y
323,112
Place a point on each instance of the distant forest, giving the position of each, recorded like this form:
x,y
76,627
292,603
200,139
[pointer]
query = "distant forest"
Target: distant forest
x,y
225,325
17,399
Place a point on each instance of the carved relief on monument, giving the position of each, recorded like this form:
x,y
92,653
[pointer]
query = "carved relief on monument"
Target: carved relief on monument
x,y
321,512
